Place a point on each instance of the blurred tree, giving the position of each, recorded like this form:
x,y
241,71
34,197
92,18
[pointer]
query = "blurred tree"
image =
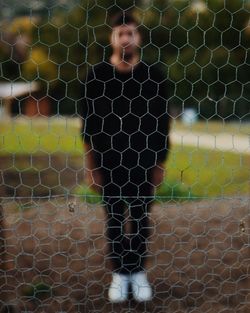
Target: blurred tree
x,y
202,46
205,45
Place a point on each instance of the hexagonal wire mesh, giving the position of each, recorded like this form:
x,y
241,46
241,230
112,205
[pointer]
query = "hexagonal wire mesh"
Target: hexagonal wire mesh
x,y
83,100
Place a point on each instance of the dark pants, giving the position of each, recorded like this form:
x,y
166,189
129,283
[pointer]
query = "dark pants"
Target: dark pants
x,y
127,201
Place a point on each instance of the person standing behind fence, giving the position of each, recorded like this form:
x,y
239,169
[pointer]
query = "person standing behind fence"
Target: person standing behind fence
x,y
125,131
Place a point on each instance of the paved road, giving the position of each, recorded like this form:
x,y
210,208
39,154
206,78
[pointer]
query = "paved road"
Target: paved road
x,y
220,141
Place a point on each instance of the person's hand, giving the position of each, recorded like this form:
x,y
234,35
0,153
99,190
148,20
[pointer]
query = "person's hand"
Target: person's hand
x,y
158,174
93,179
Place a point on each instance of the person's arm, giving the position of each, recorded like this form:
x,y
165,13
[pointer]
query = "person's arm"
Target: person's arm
x,y
92,176
158,174
159,171
162,142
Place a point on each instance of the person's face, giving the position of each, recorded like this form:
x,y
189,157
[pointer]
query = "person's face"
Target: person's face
x,y
125,39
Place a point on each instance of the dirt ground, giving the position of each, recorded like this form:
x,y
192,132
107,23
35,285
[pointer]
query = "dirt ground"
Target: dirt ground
x,y
54,256
199,257
40,175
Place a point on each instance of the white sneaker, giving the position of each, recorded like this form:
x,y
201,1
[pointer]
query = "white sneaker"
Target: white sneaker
x,y
118,290
141,288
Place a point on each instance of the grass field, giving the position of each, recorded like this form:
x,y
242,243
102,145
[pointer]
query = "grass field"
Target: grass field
x,y
191,172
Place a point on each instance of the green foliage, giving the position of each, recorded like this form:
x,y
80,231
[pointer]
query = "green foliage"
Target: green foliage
x,y
88,195
198,41
39,290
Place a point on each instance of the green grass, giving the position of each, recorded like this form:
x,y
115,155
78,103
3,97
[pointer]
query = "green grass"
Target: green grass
x,y
88,195
190,172
168,191
40,135
209,173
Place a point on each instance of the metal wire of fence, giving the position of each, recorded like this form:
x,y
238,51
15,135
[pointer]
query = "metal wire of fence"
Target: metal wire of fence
x,y
55,254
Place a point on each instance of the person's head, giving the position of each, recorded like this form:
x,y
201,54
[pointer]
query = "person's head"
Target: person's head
x,y
125,37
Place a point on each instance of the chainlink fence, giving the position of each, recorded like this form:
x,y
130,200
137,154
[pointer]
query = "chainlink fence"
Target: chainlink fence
x,y
54,251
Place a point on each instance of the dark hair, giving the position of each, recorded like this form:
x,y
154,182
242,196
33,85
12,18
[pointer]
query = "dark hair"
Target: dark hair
x,y
122,18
